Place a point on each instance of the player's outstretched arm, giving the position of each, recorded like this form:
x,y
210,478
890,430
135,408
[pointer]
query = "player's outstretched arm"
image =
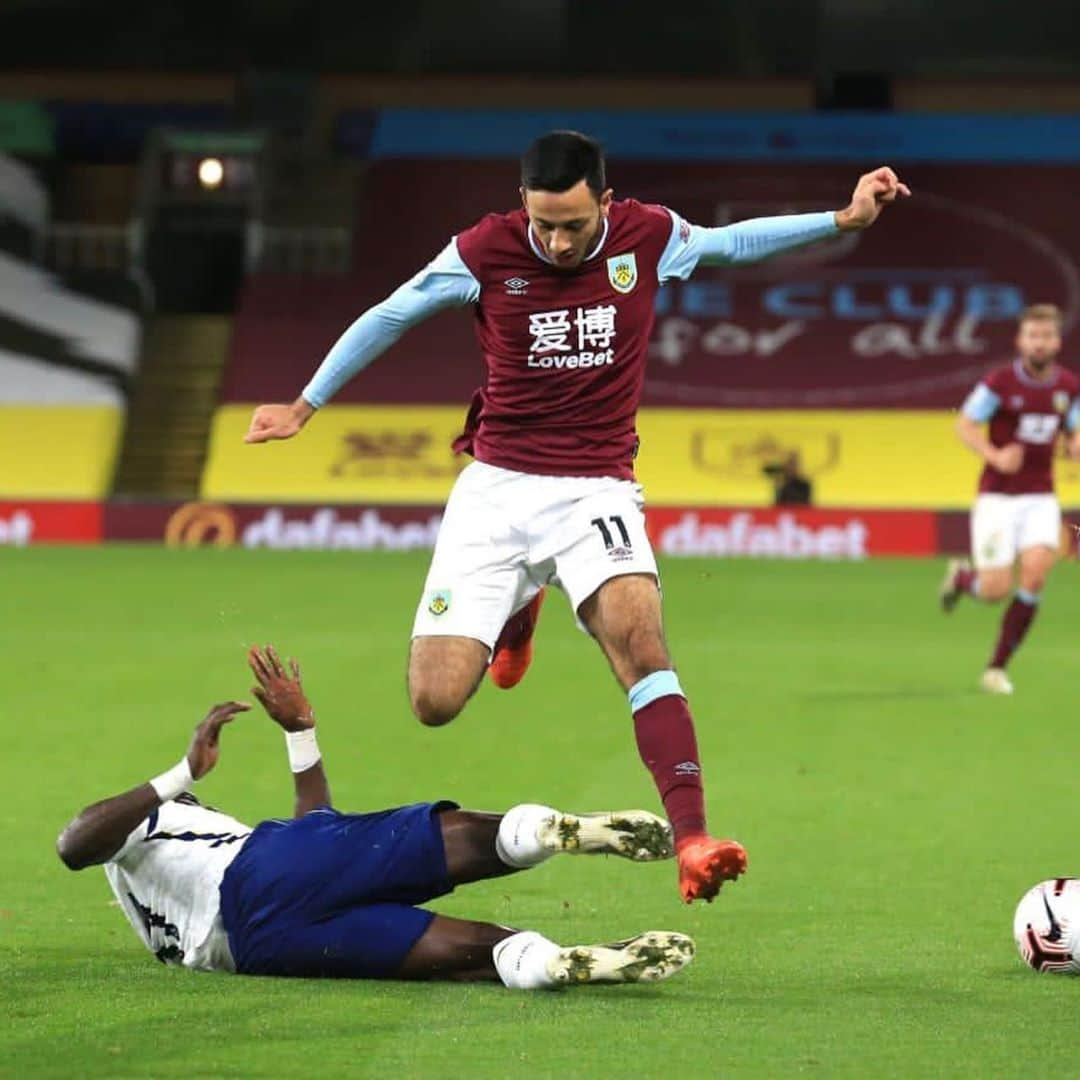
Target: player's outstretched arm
x,y
270,422
761,238
100,830
874,191
281,694
445,282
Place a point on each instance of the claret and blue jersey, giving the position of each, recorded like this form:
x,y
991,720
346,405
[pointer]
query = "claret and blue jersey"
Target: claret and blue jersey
x,y
1031,411
565,350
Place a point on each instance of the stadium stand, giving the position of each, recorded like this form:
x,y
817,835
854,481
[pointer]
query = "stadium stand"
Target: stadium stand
x,y
69,346
164,443
852,353
24,209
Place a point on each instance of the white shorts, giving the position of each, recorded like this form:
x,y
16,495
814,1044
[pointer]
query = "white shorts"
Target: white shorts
x,y
1004,525
505,535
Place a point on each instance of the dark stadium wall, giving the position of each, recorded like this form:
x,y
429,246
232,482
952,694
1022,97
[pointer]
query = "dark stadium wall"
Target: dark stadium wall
x,y
905,316
544,37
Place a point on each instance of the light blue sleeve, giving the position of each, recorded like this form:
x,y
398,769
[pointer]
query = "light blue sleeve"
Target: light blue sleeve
x,y
743,242
445,282
981,404
1072,417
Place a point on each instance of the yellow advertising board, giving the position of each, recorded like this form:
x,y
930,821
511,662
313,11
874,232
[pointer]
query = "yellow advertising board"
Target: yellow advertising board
x,y
58,451
347,453
853,459
689,457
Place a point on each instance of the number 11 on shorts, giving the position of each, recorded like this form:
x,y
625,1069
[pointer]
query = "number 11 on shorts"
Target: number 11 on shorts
x,y
605,532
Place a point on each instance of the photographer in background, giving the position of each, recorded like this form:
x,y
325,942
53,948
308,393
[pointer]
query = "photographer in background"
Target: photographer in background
x,y
791,488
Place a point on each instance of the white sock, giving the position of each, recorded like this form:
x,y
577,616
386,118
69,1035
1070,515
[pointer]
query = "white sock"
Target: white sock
x,y
521,961
516,843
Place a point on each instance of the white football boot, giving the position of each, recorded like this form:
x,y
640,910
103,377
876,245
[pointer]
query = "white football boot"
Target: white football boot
x,y
649,957
632,834
995,681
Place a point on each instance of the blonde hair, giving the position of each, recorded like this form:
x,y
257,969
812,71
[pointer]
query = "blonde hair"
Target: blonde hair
x,y
1041,313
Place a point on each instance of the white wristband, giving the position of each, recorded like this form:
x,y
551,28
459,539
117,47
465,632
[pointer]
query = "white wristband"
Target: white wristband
x,y
174,782
303,749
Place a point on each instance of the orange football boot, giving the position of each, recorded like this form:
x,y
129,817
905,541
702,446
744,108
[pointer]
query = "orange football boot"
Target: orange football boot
x,y
705,864
513,652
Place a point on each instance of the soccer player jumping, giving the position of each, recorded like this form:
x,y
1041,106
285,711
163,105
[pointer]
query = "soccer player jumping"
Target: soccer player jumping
x,y
1016,516
563,294
334,895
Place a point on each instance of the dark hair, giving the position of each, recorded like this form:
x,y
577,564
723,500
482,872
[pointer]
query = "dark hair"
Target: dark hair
x,y
560,159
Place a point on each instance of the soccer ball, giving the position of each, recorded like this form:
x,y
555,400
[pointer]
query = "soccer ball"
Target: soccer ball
x,y
1047,926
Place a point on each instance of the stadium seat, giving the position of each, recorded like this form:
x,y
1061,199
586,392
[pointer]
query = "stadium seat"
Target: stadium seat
x,y
66,358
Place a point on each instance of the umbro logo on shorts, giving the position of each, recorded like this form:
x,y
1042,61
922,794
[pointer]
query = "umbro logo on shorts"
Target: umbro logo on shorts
x,y
687,768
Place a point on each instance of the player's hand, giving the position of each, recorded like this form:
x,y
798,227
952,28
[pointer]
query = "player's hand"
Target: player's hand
x,y
204,751
1008,459
271,422
279,691
874,191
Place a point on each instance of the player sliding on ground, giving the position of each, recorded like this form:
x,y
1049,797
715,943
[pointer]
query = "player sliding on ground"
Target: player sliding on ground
x,y
563,292
1016,517
334,895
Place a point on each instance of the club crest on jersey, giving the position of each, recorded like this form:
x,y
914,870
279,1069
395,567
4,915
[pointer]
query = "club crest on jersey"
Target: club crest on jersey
x,y
439,601
622,272
1061,402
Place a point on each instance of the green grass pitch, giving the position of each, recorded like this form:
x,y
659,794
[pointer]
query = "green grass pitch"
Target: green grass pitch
x,y
892,814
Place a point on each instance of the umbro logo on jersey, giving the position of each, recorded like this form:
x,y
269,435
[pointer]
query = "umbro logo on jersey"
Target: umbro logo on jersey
x,y
1016,402
515,286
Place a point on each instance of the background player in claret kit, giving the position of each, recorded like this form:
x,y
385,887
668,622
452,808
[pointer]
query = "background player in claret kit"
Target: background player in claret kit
x,y
1016,518
563,291
333,895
